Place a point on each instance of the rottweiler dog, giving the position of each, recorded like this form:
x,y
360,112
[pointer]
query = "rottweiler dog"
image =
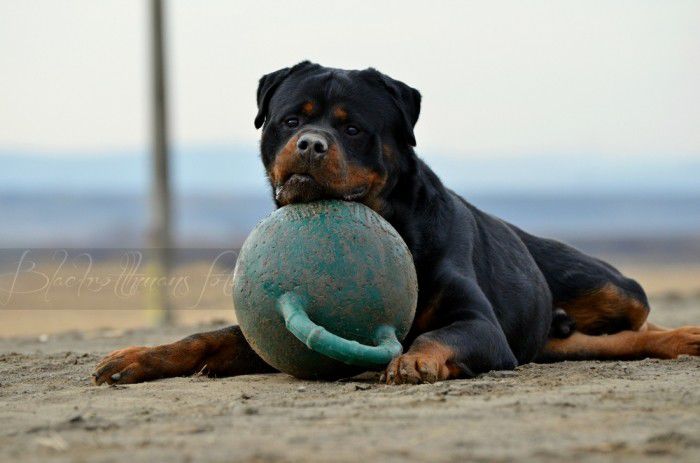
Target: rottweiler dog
x,y
491,296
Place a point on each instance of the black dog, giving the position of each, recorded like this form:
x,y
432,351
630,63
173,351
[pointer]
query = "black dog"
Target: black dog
x,y
491,296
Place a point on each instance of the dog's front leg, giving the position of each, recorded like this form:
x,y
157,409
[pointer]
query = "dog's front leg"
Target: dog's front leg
x,y
469,342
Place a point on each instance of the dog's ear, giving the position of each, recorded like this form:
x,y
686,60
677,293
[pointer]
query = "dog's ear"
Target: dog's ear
x,y
267,86
406,99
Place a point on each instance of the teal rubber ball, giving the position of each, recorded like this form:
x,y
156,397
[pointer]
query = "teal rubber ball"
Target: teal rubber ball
x,y
325,289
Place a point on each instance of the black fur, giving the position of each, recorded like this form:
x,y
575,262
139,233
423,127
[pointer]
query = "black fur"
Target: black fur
x,y
488,285
487,290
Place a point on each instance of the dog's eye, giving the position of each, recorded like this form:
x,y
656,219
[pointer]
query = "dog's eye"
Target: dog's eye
x,y
292,122
352,130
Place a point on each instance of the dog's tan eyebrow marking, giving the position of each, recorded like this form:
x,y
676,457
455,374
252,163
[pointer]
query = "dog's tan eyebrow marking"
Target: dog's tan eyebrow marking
x,y
340,113
308,108
388,152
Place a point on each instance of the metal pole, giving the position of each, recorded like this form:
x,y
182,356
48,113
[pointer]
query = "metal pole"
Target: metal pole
x,y
160,227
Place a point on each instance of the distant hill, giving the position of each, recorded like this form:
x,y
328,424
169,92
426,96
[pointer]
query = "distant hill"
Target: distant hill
x,y
120,219
236,169
55,199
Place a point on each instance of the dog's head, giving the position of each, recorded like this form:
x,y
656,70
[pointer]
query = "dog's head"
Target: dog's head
x,y
334,134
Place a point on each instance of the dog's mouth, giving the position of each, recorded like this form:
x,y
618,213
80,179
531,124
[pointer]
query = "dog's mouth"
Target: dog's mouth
x,y
297,188
356,194
296,179
304,187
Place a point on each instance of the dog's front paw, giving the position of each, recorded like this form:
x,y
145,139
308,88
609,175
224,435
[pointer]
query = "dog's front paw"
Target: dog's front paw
x,y
130,365
414,368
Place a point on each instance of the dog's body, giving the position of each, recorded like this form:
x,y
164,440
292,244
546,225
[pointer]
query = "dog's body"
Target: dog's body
x,y
491,296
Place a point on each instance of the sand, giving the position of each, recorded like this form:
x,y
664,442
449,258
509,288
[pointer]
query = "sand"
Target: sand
x,y
587,411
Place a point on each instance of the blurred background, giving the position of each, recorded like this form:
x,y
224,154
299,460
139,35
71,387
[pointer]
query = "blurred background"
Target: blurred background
x,y
574,120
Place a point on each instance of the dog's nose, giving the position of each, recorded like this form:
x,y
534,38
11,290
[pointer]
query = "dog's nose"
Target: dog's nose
x,y
312,145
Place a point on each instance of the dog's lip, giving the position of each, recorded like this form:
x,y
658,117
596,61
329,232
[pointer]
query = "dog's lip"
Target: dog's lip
x,y
300,178
355,194
295,179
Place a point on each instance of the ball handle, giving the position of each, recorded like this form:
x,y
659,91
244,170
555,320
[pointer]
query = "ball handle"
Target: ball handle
x,y
292,308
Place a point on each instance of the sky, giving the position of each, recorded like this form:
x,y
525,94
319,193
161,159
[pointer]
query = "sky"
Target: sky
x,y
509,79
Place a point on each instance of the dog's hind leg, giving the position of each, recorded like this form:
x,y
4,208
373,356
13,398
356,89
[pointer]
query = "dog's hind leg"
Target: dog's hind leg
x,y
625,345
222,352
654,327
562,325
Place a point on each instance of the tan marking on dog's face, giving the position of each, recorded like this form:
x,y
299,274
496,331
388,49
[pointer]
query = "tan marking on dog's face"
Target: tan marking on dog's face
x,y
333,172
308,108
285,161
340,113
356,177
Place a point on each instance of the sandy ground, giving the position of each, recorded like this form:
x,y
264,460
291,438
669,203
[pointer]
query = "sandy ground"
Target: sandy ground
x,y
589,411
